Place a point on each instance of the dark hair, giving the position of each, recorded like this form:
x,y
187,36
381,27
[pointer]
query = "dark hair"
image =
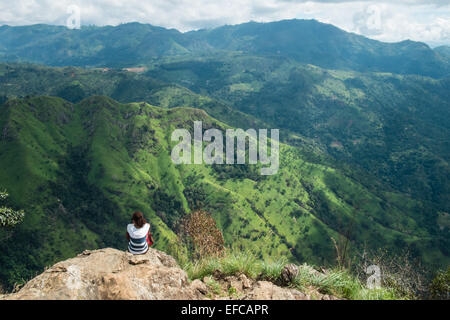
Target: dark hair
x,y
138,219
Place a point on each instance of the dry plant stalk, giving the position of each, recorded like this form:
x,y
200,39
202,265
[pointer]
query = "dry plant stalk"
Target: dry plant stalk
x,y
201,233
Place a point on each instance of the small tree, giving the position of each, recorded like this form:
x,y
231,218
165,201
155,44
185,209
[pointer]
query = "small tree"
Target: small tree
x,y
199,231
8,216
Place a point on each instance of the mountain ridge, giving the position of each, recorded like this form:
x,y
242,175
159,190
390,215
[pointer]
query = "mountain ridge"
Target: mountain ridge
x,y
307,41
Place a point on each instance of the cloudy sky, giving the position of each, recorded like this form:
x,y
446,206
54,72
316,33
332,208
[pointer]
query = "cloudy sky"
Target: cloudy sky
x,y
395,20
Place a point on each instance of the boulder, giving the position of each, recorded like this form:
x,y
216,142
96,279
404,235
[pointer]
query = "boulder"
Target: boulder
x,y
112,274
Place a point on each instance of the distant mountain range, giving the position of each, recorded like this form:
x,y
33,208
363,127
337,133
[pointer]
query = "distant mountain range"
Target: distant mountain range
x,y
305,41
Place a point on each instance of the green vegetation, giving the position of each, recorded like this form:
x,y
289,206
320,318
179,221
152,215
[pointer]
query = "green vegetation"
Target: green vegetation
x,y
9,217
79,170
379,125
369,125
364,159
132,44
337,282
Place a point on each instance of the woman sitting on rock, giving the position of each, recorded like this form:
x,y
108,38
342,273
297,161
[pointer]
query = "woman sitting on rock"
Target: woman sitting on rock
x,y
138,234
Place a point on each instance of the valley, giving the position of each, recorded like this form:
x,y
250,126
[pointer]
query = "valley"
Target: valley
x,y
86,126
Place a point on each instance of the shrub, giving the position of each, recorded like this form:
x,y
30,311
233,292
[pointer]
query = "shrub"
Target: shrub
x,y
8,216
200,232
271,270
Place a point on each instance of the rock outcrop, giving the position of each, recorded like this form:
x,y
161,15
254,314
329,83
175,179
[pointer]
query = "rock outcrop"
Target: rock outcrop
x,y
113,274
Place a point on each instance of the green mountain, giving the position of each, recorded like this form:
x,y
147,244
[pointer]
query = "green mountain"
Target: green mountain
x,y
394,126
364,127
354,117
124,45
324,45
388,126
79,170
305,41
75,84
443,51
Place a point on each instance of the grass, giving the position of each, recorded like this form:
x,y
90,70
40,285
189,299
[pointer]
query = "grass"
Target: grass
x,y
337,282
271,269
213,285
228,264
341,283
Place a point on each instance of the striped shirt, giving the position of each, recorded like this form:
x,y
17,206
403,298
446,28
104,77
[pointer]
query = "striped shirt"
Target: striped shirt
x,y
138,238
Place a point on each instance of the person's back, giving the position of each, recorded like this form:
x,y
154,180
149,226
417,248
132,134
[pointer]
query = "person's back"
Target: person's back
x,y
138,234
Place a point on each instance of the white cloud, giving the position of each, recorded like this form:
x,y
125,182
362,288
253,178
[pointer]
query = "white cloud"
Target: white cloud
x,y
419,20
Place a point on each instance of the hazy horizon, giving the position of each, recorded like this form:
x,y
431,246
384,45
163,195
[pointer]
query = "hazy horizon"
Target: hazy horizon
x,y
429,43
387,21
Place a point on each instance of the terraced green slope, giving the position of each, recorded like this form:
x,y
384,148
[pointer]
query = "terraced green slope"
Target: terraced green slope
x,y
80,170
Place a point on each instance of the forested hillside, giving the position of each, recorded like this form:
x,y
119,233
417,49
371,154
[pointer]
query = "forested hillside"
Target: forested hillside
x,y
305,41
87,116
78,170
